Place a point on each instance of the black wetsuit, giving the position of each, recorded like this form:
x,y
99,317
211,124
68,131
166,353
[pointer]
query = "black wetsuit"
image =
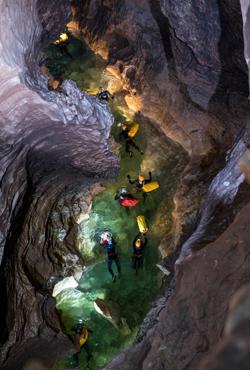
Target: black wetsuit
x,y
138,253
139,185
63,47
78,329
124,137
105,95
109,247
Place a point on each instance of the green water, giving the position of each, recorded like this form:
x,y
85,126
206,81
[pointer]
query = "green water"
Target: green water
x,y
79,65
131,294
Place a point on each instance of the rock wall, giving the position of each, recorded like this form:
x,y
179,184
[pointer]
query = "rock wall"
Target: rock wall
x,y
51,143
181,76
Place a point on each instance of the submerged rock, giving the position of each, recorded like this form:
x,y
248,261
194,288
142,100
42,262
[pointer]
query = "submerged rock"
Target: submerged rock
x,y
111,311
66,283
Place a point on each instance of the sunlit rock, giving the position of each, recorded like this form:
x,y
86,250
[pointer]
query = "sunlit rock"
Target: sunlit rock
x,y
66,283
244,164
70,294
163,269
111,311
134,103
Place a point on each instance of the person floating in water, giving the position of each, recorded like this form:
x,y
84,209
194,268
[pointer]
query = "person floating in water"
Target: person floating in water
x,y
104,94
139,245
108,244
126,199
139,183
127,139
62,45
80,342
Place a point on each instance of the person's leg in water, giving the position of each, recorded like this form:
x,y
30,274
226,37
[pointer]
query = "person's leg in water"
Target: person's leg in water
x,y
140,262
133,144
88,353
110,261
118,265
144,196
74,361
127,148
136,265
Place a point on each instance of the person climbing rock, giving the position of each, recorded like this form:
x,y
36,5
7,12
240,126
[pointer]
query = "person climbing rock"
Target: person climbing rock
x,y
104,94
108,244
80,341
126,199
129,142
139,245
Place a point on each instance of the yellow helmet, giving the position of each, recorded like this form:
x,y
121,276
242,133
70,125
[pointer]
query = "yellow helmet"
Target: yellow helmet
x,y
141,178
138,243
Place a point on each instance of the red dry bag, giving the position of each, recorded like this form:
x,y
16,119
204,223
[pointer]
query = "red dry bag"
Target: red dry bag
x,y
129,202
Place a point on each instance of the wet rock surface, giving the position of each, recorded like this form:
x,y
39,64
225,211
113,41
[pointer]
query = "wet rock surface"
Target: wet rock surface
x,y
47,147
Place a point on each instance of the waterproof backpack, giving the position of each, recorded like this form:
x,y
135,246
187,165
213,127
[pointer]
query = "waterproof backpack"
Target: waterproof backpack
x,y
133,130
142,226
129,202
152,185
84,337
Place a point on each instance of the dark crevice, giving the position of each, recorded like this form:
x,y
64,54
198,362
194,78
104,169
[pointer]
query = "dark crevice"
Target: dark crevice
x,y
9,258
164,27
234,73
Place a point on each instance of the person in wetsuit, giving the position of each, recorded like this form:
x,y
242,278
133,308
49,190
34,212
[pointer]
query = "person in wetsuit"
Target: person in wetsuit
x,y
139,244
105,94
126,199
129,142
139,182
80,341
108,244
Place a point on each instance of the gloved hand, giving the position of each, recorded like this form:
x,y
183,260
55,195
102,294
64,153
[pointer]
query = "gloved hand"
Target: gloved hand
x,y
129,177
150,173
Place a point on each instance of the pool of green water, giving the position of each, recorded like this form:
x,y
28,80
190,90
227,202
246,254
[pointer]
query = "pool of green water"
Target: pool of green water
x,y
131,294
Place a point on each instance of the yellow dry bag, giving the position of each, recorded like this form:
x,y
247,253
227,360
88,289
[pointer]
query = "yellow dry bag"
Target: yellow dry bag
x,y
91,92
141,224
134,129
153,185
84,337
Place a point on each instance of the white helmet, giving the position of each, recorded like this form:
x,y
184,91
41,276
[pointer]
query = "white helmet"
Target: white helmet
x,y
123,190
106,235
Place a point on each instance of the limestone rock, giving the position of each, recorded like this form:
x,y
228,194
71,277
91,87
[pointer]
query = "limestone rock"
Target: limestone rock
x,y
66,283
51,142
111,311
